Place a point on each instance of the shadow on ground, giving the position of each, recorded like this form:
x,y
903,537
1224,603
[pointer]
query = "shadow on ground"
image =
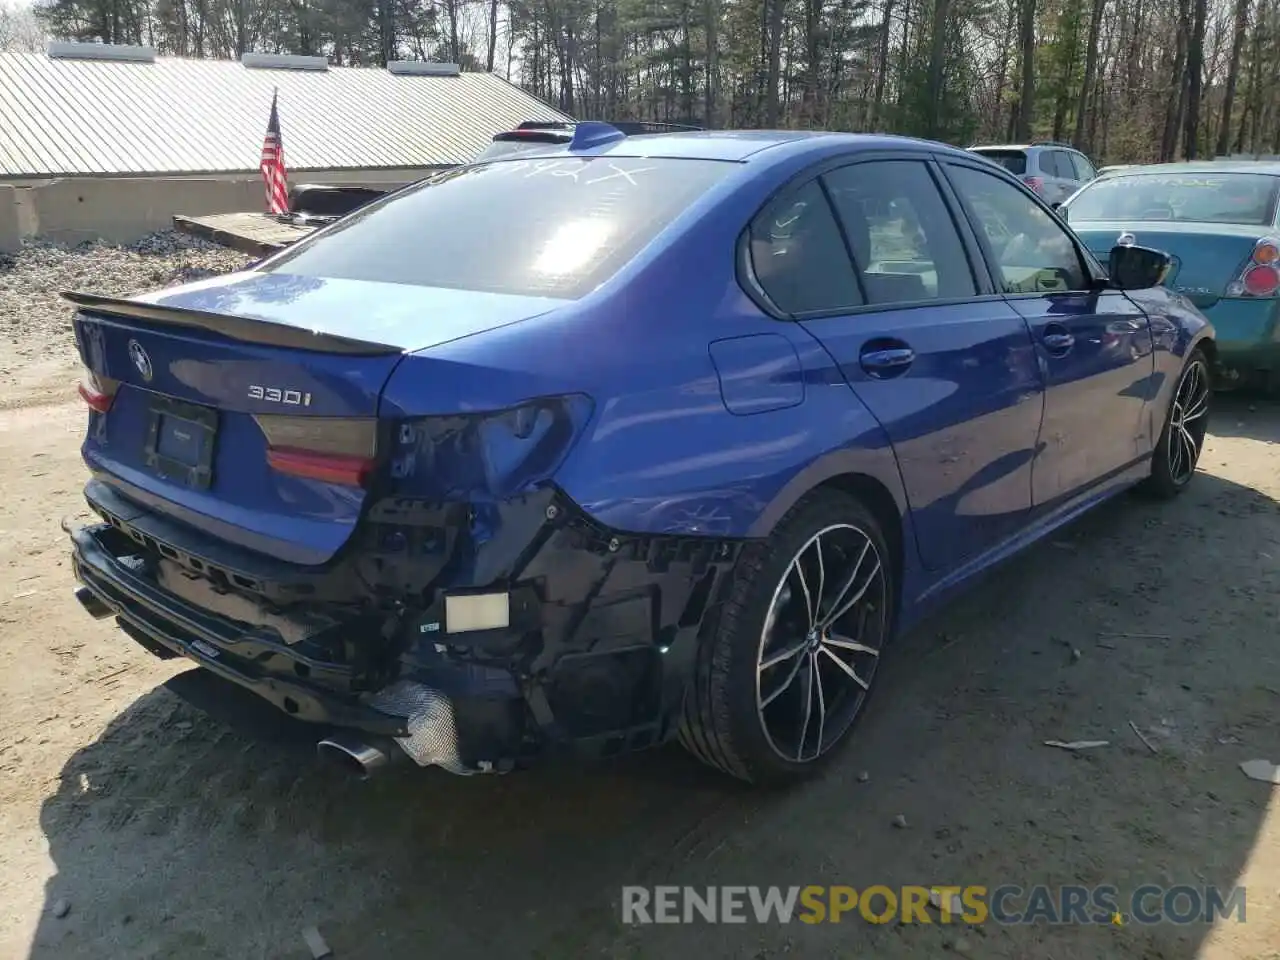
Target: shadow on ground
x,y
177,836
1251,416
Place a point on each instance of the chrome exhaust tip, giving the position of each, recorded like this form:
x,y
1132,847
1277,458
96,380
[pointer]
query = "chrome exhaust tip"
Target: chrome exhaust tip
x,y
92,605
358,758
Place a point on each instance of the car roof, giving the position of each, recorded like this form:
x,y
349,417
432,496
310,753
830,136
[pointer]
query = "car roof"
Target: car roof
x,y
741,145
1269,167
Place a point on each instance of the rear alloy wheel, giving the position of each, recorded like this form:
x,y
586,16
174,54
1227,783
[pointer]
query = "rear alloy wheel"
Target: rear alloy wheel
x,y
1173,462
790,664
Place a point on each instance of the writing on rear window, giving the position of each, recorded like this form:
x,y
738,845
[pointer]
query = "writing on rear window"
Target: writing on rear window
x,y
1240,198
573,169
553,227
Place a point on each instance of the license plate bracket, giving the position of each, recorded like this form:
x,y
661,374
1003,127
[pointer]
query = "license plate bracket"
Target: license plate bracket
x,y
180,441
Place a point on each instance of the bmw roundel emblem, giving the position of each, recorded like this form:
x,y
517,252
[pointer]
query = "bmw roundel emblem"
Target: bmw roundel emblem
x,y
140,359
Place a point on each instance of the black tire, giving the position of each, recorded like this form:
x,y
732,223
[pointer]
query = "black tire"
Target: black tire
x,y
724,719
1182,438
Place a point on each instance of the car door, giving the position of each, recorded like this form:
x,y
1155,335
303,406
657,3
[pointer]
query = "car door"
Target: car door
x,y
1094,344
950,374
1064,176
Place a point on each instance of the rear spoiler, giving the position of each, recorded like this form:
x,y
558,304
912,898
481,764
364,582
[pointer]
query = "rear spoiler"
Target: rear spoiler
x,y
244,329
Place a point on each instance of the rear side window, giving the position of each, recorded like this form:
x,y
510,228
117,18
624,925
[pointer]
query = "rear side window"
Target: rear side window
x,y
903,238
553,227
1015,161
798,256
1062,165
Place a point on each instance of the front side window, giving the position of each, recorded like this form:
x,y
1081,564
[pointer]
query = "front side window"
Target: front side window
x,y
1033,253
551,227
1243,198
903,239
798,256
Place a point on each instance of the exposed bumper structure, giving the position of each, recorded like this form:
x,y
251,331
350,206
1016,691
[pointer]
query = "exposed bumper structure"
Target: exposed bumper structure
x,y
589,656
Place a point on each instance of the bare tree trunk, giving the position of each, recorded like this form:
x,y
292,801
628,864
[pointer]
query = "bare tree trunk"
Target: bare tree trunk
x,y
1177,86
1090,74
1195,81
1233,76
493,35
882,67
937,53
712,86
1027,89
773,44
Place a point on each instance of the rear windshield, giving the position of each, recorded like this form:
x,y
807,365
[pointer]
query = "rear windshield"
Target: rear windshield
x,y
1240,198
554,227
509,148
1015,161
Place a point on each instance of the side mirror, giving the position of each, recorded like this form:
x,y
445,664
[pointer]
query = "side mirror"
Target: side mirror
x,y
1136,268
1059,209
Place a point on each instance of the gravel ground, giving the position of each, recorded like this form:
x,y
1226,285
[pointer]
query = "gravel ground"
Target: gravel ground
x,y
135,826
36,344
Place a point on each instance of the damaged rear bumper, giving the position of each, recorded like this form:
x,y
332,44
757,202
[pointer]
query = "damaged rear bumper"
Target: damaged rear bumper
x,y
593,661
164,623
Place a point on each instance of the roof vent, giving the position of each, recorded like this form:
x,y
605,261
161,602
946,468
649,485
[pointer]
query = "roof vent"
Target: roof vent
x,y
421,68
282,61
62,50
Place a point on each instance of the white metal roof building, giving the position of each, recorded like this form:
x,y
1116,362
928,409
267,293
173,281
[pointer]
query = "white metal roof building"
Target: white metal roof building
x,y
96,110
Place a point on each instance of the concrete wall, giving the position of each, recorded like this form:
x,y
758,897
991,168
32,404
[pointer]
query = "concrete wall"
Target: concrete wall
x,y
10,231
122,210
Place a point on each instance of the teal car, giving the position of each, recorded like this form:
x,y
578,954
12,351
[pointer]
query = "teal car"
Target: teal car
x,y
1218,220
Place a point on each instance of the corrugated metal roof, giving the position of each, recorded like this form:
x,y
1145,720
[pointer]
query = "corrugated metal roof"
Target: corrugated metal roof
x,y
175,116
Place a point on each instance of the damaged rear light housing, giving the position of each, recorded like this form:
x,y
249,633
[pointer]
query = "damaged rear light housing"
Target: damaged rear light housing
x,y
98,392
331,449
487,455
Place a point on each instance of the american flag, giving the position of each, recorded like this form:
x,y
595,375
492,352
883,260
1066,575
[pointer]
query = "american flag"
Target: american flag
x,y
274,174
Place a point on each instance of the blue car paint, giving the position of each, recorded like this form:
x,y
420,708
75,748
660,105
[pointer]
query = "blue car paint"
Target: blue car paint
x,y
296,519
758,373
690,433
1095,399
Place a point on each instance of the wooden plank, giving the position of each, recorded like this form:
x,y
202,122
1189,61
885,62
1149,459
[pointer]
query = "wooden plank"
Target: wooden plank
x,y
256,234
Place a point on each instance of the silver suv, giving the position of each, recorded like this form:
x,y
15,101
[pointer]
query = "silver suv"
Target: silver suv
x,y
1053,170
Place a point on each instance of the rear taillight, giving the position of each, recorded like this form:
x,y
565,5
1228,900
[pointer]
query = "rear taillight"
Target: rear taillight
x,y
1035,183
329,467
1260,275
97,391
334,450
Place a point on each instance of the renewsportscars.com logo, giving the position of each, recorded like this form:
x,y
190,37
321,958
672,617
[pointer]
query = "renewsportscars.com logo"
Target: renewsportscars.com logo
x,y
1007,904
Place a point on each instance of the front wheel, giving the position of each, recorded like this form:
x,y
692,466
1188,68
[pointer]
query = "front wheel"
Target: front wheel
x,y
1173,462
790,661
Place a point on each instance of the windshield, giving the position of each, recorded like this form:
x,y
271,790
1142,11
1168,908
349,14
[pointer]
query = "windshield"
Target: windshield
x,y
1015,161
552,227
1238,198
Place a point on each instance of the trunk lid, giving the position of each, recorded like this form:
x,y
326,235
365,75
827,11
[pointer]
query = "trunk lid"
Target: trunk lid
x,y
201,374
1207,257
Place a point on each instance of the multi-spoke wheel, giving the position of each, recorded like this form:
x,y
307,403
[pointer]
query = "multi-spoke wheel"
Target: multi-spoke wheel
x,y
1173,462
792,659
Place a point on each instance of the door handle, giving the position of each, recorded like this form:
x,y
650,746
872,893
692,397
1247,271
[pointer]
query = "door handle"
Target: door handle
x,y
1057,340
887,361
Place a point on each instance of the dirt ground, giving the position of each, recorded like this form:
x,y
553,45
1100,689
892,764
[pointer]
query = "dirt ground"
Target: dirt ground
x,y
171,834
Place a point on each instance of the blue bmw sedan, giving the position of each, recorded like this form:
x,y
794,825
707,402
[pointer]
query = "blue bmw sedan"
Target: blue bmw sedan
x,y
640,438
